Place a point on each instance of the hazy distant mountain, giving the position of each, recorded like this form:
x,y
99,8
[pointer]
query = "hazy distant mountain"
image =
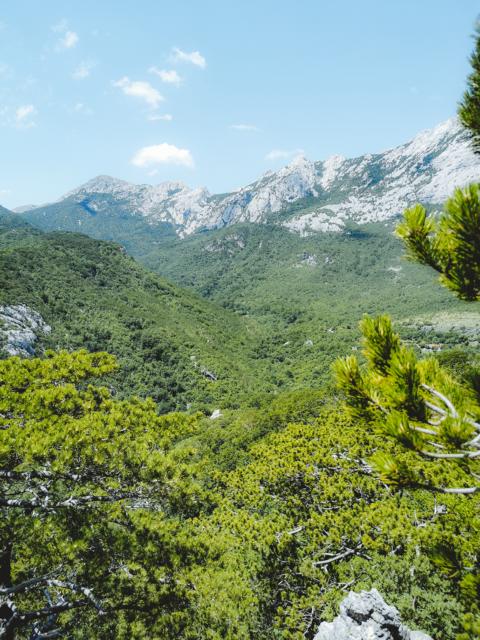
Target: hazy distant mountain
x,y
304,196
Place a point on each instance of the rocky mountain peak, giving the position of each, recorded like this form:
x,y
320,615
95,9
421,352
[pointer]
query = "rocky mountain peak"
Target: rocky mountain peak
x,y
372,187
99,184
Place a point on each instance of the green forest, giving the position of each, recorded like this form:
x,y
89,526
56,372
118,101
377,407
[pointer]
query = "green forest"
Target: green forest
x,y
220,442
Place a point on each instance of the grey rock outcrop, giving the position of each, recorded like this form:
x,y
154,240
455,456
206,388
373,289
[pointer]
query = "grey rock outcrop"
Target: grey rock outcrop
x,y
366,616
19,329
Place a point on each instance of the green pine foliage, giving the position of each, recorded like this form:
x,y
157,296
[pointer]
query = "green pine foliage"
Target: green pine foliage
x,y
434,421
119,523
91,500
417,403
469,108
451,245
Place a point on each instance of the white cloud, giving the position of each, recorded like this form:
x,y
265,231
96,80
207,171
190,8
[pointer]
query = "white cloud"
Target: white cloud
x,y
69,38
24,115
168,76
244,127
155,117
194,57
83,70
162,154
140,89
282,154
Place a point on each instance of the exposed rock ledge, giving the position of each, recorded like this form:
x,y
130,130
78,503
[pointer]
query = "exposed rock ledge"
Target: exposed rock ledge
x,y
19,329
366,616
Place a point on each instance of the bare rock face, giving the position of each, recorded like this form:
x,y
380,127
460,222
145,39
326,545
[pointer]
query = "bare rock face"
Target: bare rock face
x,y
366,616
19,329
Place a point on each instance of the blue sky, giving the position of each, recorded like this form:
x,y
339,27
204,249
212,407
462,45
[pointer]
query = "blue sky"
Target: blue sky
x,y
216,92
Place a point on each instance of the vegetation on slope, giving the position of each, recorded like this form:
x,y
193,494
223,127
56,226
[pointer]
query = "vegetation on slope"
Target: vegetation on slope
x,y
120,523
167,340
310,293
117,224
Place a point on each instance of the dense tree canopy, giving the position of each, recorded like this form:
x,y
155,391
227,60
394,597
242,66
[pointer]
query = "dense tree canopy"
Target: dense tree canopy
x,y
87,494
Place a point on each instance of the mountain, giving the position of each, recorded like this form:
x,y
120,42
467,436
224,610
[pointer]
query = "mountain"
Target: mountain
x,y
276,257
304,196
171,345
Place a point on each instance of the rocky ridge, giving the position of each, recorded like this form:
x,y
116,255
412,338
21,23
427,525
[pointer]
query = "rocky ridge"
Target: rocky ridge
x,y
372,187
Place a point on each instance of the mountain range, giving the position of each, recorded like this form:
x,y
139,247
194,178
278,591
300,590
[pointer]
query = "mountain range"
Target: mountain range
x,y
304,196
287,265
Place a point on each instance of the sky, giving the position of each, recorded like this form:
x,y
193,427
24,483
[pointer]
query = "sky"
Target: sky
x,y
216,92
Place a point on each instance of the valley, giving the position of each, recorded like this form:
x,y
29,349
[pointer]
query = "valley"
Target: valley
x,y
252,499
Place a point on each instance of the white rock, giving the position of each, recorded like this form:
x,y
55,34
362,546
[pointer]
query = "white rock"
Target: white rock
x,y
19,329
366,616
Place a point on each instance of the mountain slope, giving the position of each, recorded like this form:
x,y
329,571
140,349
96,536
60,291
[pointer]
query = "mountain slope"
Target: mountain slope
x,y
304,196
309,292
171,345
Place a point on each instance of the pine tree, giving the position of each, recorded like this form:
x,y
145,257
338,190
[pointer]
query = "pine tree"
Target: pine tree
x,y
469,108
86,486
451,245
416,403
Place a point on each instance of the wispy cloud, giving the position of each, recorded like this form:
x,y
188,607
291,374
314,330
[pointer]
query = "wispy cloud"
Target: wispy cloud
x,y
24,115
140,89
283,154
162,154
169,76
83,70
194,57
155,117
244,127
68,39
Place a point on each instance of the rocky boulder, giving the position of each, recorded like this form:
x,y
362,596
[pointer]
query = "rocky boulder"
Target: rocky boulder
x,y
366,616
20,327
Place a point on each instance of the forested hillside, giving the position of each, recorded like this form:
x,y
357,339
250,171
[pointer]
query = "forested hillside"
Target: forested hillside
x,y
171,344
310,292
